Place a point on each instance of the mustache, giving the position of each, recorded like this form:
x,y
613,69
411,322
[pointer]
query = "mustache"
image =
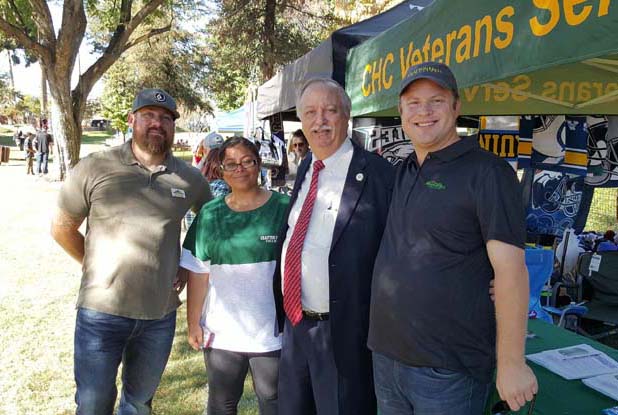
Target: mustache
x,y
322,128
157,130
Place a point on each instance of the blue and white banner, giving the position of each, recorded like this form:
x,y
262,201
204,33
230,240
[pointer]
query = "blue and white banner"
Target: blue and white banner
x,y
555,202
554,142
602,151
500,135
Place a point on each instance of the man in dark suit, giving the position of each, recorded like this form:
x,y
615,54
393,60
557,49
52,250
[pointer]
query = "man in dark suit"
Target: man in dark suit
x,y
328,245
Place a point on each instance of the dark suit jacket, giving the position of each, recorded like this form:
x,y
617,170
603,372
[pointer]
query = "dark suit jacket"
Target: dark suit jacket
x,y
356,239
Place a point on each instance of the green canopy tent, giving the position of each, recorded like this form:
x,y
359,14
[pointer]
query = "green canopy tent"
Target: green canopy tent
x,y
524,57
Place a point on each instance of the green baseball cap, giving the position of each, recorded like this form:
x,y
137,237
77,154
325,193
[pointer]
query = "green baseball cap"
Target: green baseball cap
x,y
154,97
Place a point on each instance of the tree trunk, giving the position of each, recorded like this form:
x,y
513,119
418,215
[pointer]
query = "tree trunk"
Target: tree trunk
x,y
11,77
267,67
66,128
44,111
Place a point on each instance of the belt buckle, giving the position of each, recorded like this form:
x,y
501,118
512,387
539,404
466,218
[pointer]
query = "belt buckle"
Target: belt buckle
x,y
313,315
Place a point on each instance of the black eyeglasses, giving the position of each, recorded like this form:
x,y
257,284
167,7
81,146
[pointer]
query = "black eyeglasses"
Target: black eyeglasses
x,y
246,164
502,408
298,145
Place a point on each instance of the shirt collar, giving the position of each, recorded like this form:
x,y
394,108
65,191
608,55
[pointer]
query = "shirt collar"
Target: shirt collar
x,y
128,158
458,148
335,158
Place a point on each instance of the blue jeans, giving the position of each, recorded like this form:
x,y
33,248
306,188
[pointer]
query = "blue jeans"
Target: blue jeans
x,y
407,390
102,341
41,163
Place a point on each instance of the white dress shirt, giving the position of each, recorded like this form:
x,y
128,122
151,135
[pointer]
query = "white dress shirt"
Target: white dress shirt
x,y
316,248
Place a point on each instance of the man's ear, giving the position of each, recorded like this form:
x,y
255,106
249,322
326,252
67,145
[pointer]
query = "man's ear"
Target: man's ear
x,y
131,119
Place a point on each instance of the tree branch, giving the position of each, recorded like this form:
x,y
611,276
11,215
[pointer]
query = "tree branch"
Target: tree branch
x,y
22,38
44,23
146,36
96,71
306,13
71,33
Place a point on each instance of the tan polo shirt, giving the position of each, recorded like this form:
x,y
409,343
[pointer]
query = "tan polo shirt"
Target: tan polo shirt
x,y
132,242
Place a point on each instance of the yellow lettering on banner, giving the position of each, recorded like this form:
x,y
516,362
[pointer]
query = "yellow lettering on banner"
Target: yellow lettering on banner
x,y
437,50
502,145
521,83
366,91
486,23
404,62
463,50
598,86
375,76
573,18
541,29
487,89
567,88
426,47
501,93
387,82
509,142
504,27
550,89
603,7
470,93
449,40
583,92
611,87
417,57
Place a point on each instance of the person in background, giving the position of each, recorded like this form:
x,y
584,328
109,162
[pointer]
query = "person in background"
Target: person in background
x,y
29,153
230,253
212,140
297,152
607,242
43,145
213,173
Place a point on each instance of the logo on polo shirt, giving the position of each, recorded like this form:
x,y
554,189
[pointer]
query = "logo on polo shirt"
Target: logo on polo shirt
x,y
432,184
178,193
269,239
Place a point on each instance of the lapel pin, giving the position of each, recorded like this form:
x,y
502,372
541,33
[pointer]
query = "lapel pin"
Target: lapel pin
x,y
360,177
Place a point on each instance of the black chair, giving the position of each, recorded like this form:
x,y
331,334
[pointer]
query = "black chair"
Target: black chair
x,y
599,293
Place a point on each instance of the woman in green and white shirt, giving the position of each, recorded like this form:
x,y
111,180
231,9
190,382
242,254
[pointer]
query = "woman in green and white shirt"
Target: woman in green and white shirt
x,y
230,253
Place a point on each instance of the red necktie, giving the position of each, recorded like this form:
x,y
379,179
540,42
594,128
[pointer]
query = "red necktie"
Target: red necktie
x,y
293,257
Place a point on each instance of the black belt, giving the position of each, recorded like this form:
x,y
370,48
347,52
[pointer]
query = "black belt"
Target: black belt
x,y
312,315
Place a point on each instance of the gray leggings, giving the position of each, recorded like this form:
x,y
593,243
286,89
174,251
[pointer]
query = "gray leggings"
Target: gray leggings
x,y
226,377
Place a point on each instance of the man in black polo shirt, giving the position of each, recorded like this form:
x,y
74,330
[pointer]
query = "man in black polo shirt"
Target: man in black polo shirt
x,y
456,221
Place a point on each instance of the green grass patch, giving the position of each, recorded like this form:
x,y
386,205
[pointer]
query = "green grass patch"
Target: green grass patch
x,y
96,137
184,155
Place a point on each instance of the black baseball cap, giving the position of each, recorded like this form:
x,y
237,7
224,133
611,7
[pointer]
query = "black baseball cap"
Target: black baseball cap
x,y
434,71
153,97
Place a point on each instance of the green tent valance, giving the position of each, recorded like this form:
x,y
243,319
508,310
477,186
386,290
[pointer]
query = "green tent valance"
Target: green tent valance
x,y
509,57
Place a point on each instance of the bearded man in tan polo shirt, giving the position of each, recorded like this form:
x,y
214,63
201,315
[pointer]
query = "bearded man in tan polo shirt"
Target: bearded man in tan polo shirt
x,y
133,197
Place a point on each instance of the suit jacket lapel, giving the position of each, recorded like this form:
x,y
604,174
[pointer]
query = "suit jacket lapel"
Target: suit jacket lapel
x,y
352,189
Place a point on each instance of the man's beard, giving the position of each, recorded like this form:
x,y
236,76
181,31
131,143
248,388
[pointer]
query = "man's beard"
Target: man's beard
x,y
152,145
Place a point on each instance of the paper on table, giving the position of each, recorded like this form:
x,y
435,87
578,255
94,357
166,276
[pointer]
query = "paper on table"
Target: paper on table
x,y
606,384
575,362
